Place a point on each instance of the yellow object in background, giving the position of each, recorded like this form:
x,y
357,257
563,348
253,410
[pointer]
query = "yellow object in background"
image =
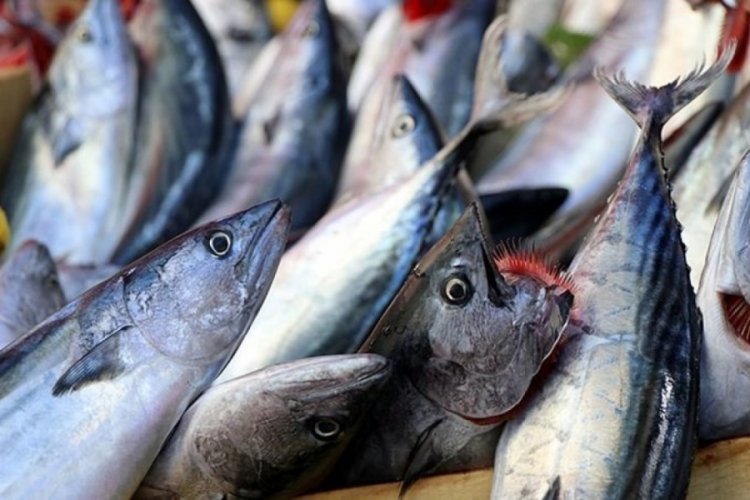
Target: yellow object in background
x,y
280,12
4,231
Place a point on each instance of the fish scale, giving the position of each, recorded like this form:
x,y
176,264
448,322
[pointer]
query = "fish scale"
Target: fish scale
x,y
617,416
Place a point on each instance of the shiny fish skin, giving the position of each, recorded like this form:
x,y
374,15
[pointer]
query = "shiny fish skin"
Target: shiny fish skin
x,y
701,185
66,182
725,362
455,363
186,132
295,127
343,273
240,29
29,290
392,138
89,396
588,159
617,416
255,436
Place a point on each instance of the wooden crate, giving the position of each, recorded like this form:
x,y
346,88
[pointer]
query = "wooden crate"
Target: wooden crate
x,y
720,471
15,97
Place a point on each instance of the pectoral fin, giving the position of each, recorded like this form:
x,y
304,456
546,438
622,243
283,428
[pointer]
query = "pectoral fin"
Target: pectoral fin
x,y
103,362
65,138
422,459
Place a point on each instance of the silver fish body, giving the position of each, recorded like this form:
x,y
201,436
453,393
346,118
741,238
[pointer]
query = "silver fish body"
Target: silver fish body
x,y
392,138
295,127
89,396
702,183
76,279
240,29
343,273
274,432
617,416
723,299
68,177
588,158
466,345
185,133
29,290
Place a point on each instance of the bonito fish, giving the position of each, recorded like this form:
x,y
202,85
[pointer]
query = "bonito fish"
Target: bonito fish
x,y
88,397
617,416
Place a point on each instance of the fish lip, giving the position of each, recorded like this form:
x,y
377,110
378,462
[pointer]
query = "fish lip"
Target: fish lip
x,y
492,420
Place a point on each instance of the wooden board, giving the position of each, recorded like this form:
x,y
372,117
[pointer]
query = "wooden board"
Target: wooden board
x,y
720,471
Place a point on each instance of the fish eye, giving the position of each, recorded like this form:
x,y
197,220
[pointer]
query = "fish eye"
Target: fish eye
x,y
311,30
219,243
404,124
83,33
326,429
457,290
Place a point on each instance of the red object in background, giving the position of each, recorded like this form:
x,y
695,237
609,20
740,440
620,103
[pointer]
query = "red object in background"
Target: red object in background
x,y
415,10
736,27
15,56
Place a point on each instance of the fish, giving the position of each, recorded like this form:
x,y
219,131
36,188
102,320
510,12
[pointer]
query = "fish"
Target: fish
x,y
586,159
466,343
723,299
186,133
682,142
68,173
391,139
439,54
357,15
296,127
616,416
702,184
274,432
77,279
240,29
89,396
29,290
346,269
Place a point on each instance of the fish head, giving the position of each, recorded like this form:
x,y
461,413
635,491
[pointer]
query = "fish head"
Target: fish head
x,y
409,134
194,297
290,422
31,263
97,45
472,340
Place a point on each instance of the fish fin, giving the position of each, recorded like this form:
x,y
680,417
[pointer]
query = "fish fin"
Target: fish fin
x,y
421,459
553,493
536,204
100,363
680,144
65,139
494,103
653,106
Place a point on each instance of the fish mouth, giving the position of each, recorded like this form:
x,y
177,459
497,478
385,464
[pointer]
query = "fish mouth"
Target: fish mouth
x,y
483,421
737,313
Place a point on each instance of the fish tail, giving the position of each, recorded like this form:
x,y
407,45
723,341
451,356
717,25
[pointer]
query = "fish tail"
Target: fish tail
x,y
494,103
654,106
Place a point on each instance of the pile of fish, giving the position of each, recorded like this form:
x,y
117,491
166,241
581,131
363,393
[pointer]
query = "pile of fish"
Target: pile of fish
x,y
392,240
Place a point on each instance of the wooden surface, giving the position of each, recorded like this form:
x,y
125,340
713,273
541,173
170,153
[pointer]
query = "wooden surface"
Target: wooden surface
x,y
720,471
15,96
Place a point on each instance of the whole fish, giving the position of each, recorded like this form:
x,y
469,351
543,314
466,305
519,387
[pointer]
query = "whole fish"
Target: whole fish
x,y
295,128
392,138
68,176
29,290
275,432
723,299
343,273
466,343
185,133
702,184
240,29
77,279
585,153
616,417
88,397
